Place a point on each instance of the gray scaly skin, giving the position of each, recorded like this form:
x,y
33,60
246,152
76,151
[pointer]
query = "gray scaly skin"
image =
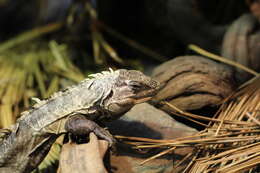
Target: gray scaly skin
x,y
105,96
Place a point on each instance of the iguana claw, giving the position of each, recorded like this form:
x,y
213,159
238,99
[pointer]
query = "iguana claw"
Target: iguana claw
x,y
80,125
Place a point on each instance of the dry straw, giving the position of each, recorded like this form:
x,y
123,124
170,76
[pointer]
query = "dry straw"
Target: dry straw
x,y
231,140
230,144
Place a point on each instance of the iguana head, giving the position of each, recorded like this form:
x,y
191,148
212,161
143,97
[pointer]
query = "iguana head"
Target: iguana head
x,y
129,88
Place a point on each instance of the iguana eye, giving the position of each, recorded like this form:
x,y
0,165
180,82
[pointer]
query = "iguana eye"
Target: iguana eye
x,y
135,85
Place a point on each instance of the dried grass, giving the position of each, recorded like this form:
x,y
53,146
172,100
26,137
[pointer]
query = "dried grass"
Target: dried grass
x,y
231,143
31,67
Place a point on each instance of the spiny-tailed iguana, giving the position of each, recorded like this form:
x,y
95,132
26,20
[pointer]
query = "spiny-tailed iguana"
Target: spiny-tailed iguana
x,y
105,96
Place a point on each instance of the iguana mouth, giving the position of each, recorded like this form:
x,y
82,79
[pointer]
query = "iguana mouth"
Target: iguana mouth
x,y
147,93
142,100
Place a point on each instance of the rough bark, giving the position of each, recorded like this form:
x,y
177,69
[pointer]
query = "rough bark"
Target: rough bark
x,y
192,82
242,44
87,158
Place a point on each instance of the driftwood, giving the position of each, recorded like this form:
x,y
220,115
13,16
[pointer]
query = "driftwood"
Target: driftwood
x,y
192,82
241,44
254,7
87,158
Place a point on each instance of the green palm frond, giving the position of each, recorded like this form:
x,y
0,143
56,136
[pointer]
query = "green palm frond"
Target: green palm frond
x,y
35,69
24,74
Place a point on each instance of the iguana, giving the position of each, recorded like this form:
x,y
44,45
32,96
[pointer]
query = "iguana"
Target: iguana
x,y
104,96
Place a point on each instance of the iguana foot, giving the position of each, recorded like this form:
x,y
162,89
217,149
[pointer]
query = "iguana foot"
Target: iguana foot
x,y
80,125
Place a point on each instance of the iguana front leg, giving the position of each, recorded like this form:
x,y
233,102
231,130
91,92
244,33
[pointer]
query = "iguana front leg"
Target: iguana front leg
x,y
80,125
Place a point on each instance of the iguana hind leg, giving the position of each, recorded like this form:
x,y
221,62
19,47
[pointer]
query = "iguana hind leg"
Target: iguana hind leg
x,y
80,125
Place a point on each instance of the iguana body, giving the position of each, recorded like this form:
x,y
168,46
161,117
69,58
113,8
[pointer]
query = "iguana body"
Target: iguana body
x,y
107,95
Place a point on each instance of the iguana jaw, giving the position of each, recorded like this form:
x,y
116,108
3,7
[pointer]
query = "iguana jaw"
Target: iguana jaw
x,y
146,93
142,100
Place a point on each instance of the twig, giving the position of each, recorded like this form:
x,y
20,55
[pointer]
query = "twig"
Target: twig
x,y
253,118
145,50
221,59
201,117
29,35
183,160
157,155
